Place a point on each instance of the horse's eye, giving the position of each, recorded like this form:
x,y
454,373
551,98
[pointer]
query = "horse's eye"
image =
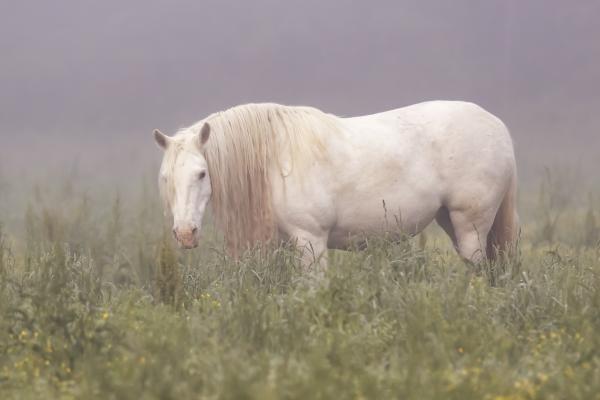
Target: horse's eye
x,y
201,175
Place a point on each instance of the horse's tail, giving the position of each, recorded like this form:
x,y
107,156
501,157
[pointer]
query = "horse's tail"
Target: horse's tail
x,y
503,236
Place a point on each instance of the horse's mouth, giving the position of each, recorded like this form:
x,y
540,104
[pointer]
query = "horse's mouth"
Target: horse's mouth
x,y
188,245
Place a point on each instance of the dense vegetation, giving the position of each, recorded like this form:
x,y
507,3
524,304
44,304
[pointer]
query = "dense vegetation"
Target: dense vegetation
x,y
95,302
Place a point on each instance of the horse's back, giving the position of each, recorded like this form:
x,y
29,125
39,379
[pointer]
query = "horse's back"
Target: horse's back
x,y
440,113
448,133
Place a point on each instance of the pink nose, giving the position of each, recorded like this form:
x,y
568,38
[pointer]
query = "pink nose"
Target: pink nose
x,y
186,236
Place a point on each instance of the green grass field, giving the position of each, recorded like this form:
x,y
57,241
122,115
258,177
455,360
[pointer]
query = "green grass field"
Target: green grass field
x,y
96,303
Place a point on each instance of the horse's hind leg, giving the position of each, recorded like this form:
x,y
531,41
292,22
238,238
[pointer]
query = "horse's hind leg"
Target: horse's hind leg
x,y
443,220
471,228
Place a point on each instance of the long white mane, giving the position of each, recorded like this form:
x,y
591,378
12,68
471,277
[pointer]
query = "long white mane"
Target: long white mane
x,y
246,144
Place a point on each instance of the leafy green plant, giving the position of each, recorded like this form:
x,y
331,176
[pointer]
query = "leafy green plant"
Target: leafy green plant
x,y
591,227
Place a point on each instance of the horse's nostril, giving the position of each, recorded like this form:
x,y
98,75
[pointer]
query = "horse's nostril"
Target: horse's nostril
x,y
174,233
194,230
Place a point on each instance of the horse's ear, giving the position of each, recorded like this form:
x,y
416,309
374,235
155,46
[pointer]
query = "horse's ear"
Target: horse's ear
x,y
161,139
204,134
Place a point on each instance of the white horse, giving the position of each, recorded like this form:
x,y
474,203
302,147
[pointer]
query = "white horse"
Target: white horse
x,y
273,171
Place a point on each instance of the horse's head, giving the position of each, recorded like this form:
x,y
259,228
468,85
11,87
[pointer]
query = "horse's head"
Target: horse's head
x,y
185,183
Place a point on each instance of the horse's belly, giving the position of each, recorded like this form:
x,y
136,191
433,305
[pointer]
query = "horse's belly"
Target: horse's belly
x,y
400,214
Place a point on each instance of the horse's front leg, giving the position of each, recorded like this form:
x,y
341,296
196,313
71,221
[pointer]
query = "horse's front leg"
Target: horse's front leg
x,y
312,250
305,222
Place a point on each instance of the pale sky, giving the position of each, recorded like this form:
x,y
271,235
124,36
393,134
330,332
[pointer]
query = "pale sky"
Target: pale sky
x,y
90,73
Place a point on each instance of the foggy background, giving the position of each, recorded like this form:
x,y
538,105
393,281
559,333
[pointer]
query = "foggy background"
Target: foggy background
x,y
83,83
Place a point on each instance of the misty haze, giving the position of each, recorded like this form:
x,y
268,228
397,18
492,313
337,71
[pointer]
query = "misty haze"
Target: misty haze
x,y
80,76
98,301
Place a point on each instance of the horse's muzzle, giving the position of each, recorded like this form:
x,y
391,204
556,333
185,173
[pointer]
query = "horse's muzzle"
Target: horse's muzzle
x,y
187,238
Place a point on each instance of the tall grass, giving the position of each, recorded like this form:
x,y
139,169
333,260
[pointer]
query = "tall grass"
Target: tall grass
x,y
96,302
